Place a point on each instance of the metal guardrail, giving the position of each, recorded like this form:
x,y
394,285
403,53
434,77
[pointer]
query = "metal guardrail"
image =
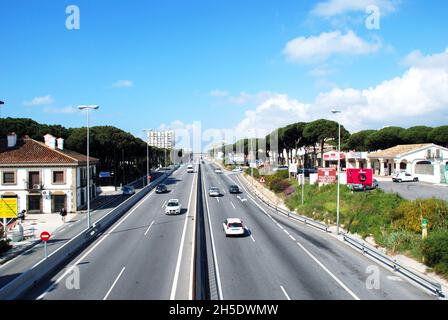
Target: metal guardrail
x,y
429,284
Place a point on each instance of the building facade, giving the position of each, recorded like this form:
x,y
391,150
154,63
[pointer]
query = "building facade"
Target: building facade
x,y
162,139
44,177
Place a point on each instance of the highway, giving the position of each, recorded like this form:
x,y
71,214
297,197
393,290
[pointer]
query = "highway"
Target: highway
x,y
149,255
141,257
282,259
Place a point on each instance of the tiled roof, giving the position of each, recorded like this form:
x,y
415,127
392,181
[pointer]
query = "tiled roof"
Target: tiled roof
x,y
398,150
29,151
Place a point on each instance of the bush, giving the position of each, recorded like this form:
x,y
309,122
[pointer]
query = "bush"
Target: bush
x,y
400,240
410,213
279,185
255,170
435,251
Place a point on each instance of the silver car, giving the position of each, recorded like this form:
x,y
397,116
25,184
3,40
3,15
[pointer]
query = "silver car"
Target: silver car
x,y
214,192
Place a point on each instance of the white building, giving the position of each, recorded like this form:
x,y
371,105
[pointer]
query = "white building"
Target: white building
x,y
44,177
162,139
429,162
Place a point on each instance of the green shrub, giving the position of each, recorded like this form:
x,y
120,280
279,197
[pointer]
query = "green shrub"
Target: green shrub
x,y
255,171
410,213
435,251
400,240
279,185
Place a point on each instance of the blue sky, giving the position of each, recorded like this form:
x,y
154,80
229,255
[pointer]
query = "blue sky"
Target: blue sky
x,y
224,63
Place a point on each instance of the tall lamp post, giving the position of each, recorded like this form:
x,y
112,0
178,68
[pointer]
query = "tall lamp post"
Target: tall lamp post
x,y
147,154
1,103
334,111
88,108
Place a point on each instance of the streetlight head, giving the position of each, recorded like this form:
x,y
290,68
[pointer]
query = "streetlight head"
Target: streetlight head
x,y
94,107
1,102
335,111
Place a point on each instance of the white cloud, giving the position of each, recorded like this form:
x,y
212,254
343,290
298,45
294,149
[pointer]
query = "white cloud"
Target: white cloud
x,y
40,101
319,48
123,84
332,8
419,96
65,110
219,93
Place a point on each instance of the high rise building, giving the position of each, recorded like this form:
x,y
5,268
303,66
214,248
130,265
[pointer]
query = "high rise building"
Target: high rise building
x,y
162,139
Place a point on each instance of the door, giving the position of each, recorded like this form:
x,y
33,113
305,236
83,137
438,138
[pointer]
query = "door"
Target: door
x,y
34,203
59,202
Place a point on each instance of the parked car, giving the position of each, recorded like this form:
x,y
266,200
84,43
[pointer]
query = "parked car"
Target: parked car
x,y
161,188
361,187
214,192
233,227
404,177
173,207
237,169
234,189
128,190
280,168
307,171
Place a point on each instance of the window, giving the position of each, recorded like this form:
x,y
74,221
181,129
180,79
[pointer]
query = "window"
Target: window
x,y
9,177
58,177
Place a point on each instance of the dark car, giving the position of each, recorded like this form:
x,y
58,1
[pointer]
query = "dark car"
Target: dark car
x,y
128,190
361,187
234,189
161,188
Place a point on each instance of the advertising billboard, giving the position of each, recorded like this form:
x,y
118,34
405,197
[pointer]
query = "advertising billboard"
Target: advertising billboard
x,y
8,207
360,176
326,175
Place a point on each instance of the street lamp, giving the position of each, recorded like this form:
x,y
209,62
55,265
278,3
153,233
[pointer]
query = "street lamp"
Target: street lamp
x,y
1,103
147,154
88,108
334,111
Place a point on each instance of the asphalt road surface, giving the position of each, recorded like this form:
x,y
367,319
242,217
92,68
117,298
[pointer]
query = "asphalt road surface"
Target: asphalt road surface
x,y
283,259
138,258
415,190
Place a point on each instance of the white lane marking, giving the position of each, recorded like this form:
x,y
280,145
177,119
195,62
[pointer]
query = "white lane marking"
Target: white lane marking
x,y
94,247
147,230
286,231
215,259
182,242
285,293
293,239
113,284
232,205
329,272
164,203
394,278
217,199
252,238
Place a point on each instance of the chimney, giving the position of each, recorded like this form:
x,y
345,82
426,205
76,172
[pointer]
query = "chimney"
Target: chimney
x,y
50,141
12,140
60,144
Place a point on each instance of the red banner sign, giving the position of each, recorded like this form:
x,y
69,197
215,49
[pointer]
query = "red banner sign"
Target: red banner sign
x,y
326,175
360,176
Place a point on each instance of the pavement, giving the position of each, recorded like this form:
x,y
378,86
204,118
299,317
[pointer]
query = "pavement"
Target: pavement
x,y
415,190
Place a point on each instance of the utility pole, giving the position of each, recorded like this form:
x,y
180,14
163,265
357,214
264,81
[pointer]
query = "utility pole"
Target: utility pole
x,y
339,173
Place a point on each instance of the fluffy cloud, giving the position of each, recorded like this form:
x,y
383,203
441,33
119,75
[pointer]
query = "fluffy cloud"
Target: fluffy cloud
x,y
219,93
243,97
337,7
321,47
123,84
419,96
40,101
65,110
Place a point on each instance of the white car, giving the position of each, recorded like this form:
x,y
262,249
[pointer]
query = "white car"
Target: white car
x,y
238,169
404,177
217,170
190,168
233,227
214,192
173,207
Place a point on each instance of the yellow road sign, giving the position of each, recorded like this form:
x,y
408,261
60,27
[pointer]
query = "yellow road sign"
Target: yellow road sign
x,y
8,208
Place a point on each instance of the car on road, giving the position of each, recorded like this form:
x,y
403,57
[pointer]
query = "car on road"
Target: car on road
x,y
190,168
234,189
173,207
233,227
214,192
404,177
218,170
128,190
361,187
161,188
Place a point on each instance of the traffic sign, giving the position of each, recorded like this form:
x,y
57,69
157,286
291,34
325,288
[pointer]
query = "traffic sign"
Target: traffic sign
x,y
262,180
45,236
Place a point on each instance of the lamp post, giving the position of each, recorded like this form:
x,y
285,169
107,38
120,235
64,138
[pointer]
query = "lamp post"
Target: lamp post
x,y
147,154
88,108
1,103
334,111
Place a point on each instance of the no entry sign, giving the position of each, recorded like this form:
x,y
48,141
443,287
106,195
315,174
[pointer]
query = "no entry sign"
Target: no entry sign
x,y
45,236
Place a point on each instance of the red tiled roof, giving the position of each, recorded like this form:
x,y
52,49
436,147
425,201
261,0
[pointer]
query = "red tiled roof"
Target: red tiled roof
x,y
29,151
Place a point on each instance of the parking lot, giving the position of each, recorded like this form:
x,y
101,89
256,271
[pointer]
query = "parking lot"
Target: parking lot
x,y
415,190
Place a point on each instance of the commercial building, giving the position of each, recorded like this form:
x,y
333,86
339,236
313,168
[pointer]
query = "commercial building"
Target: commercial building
x,y
162,139
44,177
